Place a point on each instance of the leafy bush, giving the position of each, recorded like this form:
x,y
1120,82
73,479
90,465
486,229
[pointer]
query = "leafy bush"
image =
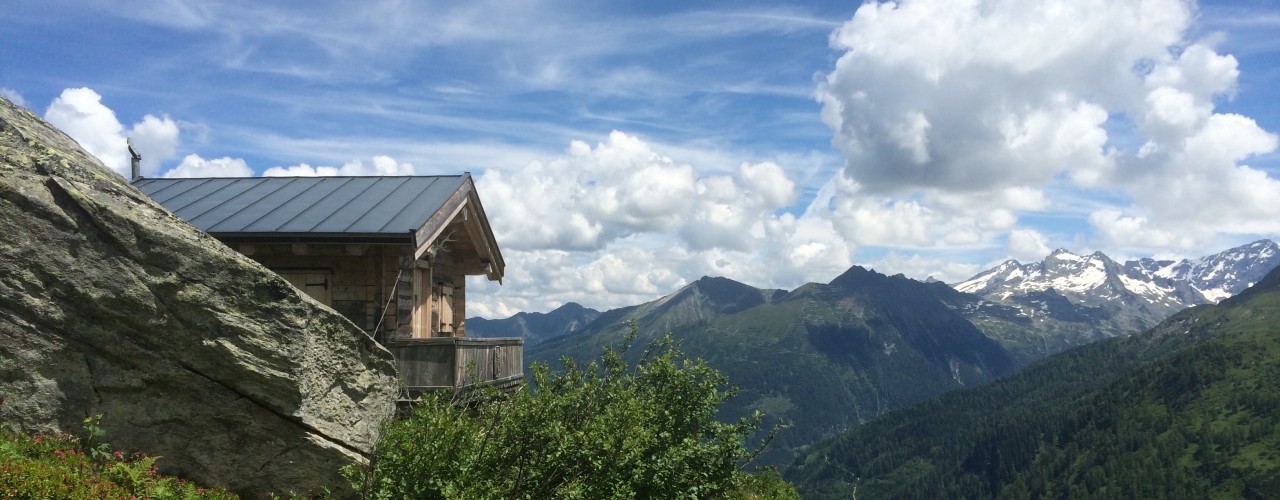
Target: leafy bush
x,y
63,466
603,430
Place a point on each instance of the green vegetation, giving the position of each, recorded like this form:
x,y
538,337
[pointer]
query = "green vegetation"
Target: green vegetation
x,y
821,359
65,466
606,429
1190,409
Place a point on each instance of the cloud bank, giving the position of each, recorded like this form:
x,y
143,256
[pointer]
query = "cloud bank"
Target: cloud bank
x,y
940,99
621,223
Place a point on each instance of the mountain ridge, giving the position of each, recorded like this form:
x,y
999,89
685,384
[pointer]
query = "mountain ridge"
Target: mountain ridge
x,y
1183,282
828,356
1067,300
1188,409
822,357
535,327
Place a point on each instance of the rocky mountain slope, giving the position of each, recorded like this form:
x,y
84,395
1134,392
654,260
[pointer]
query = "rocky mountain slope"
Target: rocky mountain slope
x,y
1216,276
111,305
1067,300
823,357
1188,409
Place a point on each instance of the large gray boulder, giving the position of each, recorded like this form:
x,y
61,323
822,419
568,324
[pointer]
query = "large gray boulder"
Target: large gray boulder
x,y
111,305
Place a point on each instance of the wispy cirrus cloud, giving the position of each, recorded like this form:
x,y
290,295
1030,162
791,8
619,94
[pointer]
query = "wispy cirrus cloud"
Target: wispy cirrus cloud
x,y
963,132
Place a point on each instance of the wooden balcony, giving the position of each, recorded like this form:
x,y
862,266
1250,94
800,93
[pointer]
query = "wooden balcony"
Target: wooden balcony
x,y
457,364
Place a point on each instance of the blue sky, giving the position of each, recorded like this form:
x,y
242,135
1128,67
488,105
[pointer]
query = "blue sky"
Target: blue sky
x,y
625,149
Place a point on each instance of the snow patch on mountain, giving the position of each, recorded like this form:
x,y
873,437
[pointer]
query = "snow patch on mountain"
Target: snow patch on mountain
x,y
1097,280
1220,275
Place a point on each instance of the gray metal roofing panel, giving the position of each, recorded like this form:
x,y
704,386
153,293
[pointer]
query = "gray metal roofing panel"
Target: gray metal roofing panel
x,y
407,216
318,206
245,209
391,198
356,207
414,215
165,191
177,197
335,205
193,204
303,211
231,200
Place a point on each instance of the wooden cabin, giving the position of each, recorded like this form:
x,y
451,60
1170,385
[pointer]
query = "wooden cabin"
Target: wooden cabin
x,y
390,253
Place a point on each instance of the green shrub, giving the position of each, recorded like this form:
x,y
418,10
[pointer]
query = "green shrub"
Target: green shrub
x,y
63,466
603,430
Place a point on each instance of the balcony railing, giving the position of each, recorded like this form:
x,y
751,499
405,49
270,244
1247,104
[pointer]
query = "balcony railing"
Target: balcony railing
x,y
457,363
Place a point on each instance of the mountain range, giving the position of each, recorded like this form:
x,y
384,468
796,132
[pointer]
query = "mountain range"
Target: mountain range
x,y
821,358
824,358
1096,279
535,327
1068,300
1188,409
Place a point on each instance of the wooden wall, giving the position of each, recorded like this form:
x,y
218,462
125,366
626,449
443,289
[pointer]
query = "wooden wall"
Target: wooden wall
x,y
360,276
362,279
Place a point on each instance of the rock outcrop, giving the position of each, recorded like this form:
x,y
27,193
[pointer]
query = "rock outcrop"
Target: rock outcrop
x,y
111,305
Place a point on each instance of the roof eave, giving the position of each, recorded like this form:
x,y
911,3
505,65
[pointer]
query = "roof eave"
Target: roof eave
x,y
476,222
303,237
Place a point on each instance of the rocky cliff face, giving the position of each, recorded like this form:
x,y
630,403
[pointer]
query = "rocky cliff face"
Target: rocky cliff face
x,y
110,305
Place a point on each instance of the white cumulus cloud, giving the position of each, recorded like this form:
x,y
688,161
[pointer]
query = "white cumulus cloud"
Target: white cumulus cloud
x,y
967,95
194,166
381,165
955,117
922,267
81,114
1027,245
621,223
592,196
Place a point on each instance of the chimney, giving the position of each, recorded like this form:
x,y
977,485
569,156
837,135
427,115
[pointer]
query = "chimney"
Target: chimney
x,y
134,159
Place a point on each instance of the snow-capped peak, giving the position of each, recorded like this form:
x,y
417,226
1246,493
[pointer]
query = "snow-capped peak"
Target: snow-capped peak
x,y
1220,275
994,277
1096,279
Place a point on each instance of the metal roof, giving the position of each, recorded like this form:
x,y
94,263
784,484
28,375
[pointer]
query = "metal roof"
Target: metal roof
x,y
305,205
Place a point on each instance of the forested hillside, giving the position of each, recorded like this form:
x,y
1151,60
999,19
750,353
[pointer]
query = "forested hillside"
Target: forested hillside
x,y
1189,409
822,358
